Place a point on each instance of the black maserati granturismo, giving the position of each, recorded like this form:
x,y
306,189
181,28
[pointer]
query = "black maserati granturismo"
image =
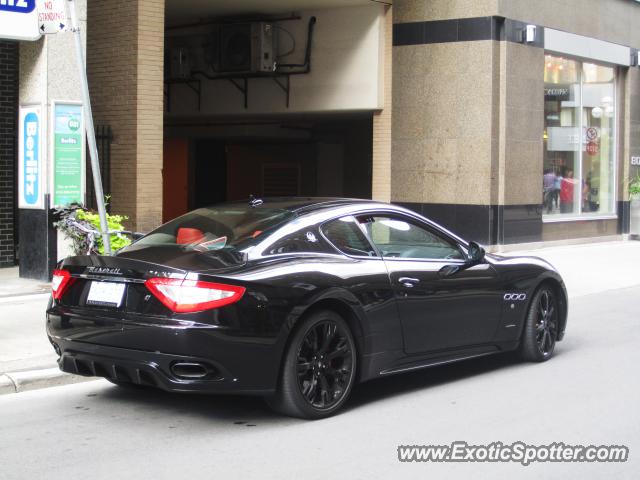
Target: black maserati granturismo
x,y
297,300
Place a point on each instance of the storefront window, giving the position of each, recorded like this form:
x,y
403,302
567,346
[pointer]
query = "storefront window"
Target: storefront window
x,y
579,135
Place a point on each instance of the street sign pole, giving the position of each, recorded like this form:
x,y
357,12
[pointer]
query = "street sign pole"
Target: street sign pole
x,y
91,134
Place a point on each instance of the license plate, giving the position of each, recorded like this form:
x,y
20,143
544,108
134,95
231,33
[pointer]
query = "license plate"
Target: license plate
x,y
106,294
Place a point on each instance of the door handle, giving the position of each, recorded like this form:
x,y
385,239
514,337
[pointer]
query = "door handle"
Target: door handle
x,y
408,281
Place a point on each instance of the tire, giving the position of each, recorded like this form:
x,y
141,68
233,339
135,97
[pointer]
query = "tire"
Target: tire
x,y
319,368
541,326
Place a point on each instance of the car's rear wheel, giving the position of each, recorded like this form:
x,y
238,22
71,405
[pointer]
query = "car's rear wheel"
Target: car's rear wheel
x,y
319,368
541,326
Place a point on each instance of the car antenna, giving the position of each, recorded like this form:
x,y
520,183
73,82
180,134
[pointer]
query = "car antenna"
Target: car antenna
x,y
255,202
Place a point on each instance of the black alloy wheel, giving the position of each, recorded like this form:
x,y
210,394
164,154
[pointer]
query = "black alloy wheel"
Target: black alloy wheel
x,y
541,326
547,324
325,364
319,368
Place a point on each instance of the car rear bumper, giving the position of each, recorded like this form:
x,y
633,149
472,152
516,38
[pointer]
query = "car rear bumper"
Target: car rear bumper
x,y
185,359
147,369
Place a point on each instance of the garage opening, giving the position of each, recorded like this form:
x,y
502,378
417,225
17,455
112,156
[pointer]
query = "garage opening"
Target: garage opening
x,y
310,157
269,103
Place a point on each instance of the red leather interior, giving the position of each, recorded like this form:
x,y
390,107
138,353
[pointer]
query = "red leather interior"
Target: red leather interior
x,y
186,236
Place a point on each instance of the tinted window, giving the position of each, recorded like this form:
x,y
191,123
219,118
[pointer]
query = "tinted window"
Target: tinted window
x,y
396,237
301,241
346,235
230,227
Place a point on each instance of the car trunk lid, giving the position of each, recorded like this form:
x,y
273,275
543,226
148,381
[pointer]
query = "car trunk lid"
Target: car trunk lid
x,y
125,274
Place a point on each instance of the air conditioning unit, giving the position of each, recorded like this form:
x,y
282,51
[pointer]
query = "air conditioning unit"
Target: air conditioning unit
x,y
245,48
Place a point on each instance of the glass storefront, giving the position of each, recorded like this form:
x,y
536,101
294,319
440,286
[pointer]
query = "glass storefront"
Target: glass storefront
x,y
579,139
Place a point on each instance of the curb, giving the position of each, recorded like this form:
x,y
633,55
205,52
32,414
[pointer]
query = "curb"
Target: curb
x,y
16,382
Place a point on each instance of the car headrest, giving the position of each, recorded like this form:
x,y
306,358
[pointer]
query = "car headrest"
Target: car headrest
x,y
187,236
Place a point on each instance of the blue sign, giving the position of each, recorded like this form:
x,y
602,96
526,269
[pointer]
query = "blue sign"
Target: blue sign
x,y
18,6
31,159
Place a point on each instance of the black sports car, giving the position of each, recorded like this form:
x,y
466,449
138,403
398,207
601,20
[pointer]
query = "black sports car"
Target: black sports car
x,y
297,300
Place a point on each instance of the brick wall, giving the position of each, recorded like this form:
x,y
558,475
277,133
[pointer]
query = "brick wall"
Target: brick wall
x,y
8,147
125,55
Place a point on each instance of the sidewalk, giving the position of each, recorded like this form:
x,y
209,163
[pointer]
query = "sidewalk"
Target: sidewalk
x,y
593,268
11,285
27,360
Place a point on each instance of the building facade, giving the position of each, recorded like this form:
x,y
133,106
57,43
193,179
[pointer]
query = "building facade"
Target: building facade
x,y
512,139
507,121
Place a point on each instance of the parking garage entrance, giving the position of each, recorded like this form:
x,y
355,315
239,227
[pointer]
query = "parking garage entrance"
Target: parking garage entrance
x,y
301,156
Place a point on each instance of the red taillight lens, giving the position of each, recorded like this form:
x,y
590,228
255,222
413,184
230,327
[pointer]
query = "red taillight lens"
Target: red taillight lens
x,y
187,296
60,281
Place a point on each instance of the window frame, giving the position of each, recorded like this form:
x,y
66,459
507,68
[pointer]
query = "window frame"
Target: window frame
x,y
392,215
580,215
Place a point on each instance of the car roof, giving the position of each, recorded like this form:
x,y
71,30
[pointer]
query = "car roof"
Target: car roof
x,y
305,204
319,208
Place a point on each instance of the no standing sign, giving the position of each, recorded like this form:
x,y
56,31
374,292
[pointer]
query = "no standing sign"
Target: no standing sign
x,y
52,16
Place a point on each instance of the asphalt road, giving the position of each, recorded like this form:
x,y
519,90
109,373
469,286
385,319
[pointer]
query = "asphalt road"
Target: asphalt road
x,y
588,394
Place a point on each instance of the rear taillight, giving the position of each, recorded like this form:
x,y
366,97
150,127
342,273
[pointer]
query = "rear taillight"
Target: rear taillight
x,y
60,281
187,296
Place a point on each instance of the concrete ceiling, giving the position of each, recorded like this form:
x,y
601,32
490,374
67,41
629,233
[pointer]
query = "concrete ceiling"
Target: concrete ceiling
x,y
181,11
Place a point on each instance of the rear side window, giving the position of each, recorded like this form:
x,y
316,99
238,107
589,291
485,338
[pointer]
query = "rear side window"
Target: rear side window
x,y
346,235
303,241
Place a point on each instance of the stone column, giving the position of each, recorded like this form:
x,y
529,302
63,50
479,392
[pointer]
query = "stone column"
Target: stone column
x,y
381,171
48,73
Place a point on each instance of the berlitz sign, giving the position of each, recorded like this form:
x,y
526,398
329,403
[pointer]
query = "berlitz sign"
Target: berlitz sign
x,y
30,159
19,6
19,20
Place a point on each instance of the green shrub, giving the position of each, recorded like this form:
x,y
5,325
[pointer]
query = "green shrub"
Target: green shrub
x,y
115,224
634,188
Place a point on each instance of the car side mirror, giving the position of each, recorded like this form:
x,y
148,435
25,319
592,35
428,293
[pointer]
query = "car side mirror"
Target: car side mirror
x,y
475,253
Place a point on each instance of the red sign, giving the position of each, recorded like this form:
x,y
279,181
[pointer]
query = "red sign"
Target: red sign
x,y
592,148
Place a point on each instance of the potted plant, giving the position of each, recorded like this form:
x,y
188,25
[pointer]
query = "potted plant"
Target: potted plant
x,y
634,196
79,231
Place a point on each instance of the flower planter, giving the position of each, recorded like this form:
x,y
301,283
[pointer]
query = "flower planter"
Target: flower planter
x,y
635,219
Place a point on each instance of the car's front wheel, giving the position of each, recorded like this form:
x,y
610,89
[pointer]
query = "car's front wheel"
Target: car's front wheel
x,y
541,326
319,368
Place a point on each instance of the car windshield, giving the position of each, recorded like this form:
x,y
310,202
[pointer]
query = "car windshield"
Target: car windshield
x,y
229,227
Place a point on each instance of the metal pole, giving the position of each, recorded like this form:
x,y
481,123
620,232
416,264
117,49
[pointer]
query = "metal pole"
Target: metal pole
x,y
91,134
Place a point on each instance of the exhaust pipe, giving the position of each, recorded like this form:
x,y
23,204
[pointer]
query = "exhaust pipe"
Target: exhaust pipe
x,y
190,370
